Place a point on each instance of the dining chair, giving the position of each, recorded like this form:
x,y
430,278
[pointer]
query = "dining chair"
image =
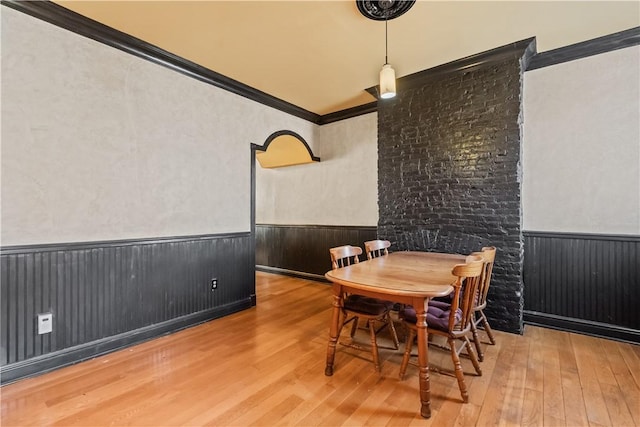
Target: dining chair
x,y
356,307
478,317
343,256
453,321
376,248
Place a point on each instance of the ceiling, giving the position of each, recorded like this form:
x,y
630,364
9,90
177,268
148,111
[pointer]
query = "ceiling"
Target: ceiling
x,y
322,55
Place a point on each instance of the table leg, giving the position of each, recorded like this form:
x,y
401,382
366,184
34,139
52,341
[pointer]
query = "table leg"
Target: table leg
x,y
334,329
421,307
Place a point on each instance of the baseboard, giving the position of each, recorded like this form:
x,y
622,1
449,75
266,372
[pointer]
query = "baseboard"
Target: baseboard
x,y
596,329
72,355
285,272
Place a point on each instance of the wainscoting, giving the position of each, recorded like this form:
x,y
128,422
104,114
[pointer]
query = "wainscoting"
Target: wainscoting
x,y
106,295
584,283
576,282
303,250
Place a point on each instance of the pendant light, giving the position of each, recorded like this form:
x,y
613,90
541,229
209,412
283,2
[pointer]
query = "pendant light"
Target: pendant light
x,y
387,74
379,10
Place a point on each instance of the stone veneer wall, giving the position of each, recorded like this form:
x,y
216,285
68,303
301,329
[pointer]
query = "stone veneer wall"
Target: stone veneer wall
x,y
448,173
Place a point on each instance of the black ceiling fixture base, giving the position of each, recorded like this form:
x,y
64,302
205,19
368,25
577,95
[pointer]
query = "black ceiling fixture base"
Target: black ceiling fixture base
x,y
384,10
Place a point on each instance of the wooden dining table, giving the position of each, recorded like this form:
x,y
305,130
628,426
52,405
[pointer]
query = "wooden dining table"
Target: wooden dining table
x,y
405,277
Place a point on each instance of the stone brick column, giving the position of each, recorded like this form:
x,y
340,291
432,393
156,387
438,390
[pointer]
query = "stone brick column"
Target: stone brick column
x,y
448,173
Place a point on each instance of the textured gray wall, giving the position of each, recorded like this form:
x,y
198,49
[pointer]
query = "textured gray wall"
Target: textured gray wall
x,y
581,150
98,144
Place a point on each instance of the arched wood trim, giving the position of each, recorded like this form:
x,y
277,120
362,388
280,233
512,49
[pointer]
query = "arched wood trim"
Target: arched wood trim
x,y
265,147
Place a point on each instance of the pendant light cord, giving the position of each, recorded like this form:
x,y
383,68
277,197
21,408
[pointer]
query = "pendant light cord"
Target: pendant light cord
x,y
386,38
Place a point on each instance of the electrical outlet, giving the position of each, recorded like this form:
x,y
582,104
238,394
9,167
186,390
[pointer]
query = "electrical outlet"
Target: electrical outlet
x,y
214,284
45,323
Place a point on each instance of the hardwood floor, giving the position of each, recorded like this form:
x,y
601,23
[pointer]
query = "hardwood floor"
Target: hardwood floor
x,y
265,366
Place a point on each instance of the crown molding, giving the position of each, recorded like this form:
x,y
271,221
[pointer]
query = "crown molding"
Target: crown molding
x,y
349,113
79,24
522,49
615,41
526,49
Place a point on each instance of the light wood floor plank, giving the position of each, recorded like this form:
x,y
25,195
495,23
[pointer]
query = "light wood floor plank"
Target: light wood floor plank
x,y
553,396
595,404
573,401
265,367
630,394
631,356
491,412
624,380
515,392
534,379
617,407
533,409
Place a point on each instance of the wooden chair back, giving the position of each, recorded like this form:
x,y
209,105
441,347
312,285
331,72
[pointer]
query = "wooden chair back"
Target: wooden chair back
x,y
470,274
376,248
488,255
342,256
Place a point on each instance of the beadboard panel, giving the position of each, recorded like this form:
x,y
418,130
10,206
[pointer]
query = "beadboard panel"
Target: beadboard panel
x,y
97,291
583,282
305,248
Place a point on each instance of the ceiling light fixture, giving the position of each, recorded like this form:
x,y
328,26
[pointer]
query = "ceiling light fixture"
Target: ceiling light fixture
x,y
387,74
379,10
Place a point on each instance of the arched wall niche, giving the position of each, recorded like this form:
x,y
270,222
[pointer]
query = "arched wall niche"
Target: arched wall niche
x,y
284,148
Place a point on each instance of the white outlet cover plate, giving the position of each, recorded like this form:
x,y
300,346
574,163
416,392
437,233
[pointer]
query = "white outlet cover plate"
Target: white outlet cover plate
x,y
45,323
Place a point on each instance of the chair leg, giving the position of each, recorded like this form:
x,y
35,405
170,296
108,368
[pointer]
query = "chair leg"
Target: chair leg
x,y
476,338
394,334
487,328
407,353
472,356
354,327
343,320
458,370
374,345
